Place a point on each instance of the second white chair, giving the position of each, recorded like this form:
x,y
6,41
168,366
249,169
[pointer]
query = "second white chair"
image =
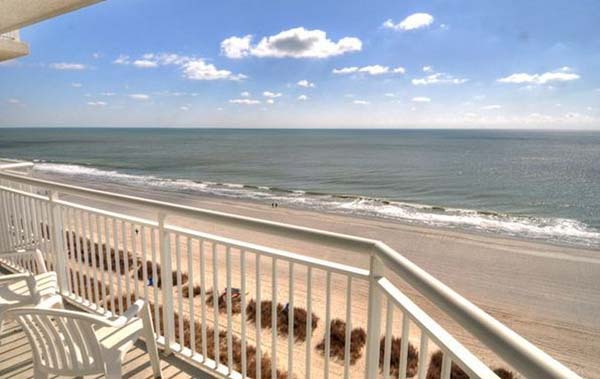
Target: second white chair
x,y
72,343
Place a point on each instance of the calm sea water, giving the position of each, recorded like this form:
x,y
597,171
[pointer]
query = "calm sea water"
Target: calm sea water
x,y
540,185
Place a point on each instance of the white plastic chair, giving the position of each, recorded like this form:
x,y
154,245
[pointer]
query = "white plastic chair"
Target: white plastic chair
x,y
72,343
25,288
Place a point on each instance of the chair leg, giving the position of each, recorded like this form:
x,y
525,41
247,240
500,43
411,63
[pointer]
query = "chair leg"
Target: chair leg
x,y
150,341
113,368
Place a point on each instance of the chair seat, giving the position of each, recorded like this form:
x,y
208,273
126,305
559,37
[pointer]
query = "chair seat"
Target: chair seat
x,y
18,294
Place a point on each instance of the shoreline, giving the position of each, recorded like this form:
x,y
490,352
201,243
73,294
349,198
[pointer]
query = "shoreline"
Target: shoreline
x,y
320,203
549,294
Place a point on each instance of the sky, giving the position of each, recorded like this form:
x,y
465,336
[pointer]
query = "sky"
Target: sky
x,y
314,64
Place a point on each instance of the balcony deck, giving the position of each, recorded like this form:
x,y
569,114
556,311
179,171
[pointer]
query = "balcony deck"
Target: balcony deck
x,y
15,360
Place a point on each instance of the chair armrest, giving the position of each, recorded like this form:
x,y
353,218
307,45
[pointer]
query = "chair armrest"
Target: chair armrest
x,y
131,313
33,255
14,277
54,301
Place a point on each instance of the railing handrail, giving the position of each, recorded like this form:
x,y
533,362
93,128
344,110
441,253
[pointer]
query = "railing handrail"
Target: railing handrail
x,y
511,347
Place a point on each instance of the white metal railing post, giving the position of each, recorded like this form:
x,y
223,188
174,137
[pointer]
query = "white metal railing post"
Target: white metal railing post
x,y
374,317
166,283
60,254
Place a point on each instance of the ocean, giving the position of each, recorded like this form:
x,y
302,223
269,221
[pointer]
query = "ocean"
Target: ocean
x,y
541,185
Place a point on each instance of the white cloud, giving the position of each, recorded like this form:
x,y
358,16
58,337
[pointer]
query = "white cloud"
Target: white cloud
x,y
184,108
291,43
427,69
421,99
491,107
107,94
145,63
345,70
139,96
193,68
305,83
302,98
244,101
68,66
13,101
414,21
361,102
370,70
96,103
96,55
389,94
272,95
438,78
270,101
245,94
563,74
200,70
76,85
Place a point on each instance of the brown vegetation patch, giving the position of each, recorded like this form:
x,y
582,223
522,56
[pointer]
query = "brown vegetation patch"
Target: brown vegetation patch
x,y
396,346
435,369
299,322
236,300
358,339
81,288
157,281
196,290
99,254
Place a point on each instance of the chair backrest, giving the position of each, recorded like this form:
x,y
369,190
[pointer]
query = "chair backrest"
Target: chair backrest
x,y
63,342
25,261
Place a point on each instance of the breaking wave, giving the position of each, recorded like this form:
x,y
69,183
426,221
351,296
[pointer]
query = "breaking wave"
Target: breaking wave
x,y
558,230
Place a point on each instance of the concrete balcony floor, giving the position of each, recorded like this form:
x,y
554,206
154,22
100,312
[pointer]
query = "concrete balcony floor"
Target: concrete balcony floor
x,y
16,363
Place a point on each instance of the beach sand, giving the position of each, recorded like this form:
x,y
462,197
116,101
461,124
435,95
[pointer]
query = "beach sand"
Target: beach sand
x,y
548,294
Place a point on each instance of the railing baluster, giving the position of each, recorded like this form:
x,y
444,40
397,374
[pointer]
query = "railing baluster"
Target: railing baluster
x,y
167,282
274,318
215,268
77,254
348,328
291,317
143,241
126,276
133,232
404,346
86,264
327,323
155,280
258,318
388,339
203,300
70,247
229,321
99,247
423,355
190,265
111,280
243,290
446,364
4,233
117,257
94,263
376,271
179,296
308,364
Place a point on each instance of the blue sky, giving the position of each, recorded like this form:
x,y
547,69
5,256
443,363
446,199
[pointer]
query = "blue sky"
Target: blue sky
x,y
370,64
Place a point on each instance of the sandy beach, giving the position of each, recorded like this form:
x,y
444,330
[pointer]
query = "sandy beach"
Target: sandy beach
x,y
549,294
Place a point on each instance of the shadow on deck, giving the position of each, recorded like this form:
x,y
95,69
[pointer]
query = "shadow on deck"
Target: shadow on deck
x,y
16,363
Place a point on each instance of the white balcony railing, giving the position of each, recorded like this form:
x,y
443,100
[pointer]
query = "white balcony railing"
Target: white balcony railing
x,y
104,258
